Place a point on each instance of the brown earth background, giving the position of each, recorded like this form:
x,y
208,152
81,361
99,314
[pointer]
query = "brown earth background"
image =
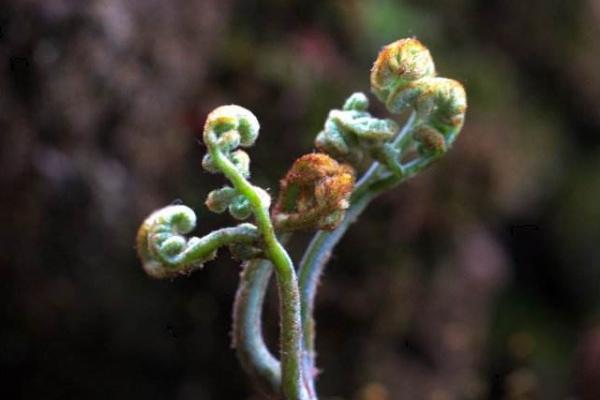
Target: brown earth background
x,y
480,279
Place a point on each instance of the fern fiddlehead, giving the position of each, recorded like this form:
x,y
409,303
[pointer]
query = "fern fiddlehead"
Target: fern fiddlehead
x,y
318,192
403,76
225,129
163,248
166,253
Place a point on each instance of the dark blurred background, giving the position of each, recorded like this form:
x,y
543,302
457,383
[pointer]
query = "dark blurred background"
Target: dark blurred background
x,y
480,279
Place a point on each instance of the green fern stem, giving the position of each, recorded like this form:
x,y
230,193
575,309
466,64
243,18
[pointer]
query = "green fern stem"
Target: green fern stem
x,y
374,181
254,355
291,333
247,336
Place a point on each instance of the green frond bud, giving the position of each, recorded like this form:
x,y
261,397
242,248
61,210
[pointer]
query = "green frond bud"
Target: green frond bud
x,y
357,102
352,134
450,105
226,129
160,234
314,194
218,200
333,141
231,118
240,208
367,128
398,64
164,250
403,77
172,245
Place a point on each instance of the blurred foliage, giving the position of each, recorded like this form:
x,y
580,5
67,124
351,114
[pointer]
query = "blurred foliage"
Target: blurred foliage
x,y
484,277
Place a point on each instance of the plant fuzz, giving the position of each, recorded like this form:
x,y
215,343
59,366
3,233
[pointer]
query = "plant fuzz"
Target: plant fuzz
x,y
319,192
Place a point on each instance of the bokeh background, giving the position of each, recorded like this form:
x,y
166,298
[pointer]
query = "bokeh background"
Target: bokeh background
x,y
480,279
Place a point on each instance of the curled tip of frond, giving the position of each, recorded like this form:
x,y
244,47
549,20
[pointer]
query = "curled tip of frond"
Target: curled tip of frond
x,y
161,234
165,252
314,194
352,134
357,102
403,76
452,103
232,125
226,129
219,200
228,198
399,63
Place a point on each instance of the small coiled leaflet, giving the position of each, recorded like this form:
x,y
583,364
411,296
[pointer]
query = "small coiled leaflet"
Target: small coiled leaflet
x,y
165,251
353,135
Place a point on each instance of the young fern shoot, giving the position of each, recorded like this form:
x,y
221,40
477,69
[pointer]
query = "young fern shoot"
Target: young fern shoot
x,y
227,128
319,192
403,77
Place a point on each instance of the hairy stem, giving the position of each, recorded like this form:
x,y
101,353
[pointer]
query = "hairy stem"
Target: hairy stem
x,y
321,246
255,357
311,268
290,329
315,258
253,353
